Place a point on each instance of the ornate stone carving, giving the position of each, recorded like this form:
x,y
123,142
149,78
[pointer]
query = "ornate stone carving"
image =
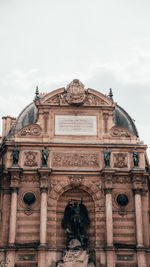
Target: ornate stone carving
x,y
75,159
55,100
117,131
32,130
75,180
121,180
28,211
75,93
29,178
93,100
120,160
31,159
15,179
107,190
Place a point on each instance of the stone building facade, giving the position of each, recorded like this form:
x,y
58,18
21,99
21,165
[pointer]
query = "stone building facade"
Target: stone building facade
x,y
76,126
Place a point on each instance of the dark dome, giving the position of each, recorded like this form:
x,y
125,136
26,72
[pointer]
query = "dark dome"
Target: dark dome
x,y
122,118
29,116
26,117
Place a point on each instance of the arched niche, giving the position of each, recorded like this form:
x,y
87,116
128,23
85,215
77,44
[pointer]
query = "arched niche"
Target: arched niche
x,y
61,204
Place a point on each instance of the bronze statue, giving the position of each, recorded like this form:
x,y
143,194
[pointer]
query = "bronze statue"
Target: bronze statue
x,y
45,155
75,220
135,158
15,155
107,154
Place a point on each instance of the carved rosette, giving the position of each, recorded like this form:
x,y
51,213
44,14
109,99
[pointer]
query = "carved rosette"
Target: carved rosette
x,y
75,93
75,180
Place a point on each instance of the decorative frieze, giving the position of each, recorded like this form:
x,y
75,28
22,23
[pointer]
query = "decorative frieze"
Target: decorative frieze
x,y
75,160
33,178
121,180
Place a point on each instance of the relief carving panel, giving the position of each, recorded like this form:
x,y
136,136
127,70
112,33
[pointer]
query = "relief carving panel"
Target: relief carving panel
x,y
120,160
30,158
82,160
32,130
120,132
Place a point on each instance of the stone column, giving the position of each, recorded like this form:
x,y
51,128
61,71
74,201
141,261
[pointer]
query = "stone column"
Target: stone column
x,y
109,218
43,216
44,176
14,185
137,179
13,216
138,214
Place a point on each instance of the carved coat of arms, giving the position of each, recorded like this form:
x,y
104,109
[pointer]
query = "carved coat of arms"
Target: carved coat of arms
x,y
75,93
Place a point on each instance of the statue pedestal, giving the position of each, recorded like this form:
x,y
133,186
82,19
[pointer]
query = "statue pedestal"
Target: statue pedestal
x,y
75,256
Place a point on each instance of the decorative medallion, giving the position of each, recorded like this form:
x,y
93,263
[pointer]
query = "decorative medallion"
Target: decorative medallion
x,y
120,160
75,93
31,158
75,180
28,211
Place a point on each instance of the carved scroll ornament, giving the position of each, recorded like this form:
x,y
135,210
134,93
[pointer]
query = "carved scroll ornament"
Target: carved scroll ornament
x,y
120,132
32,130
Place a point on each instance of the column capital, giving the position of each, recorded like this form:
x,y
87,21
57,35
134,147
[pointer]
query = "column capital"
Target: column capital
x,y
108,190
15,175
137,190
43,190
14,189
44,177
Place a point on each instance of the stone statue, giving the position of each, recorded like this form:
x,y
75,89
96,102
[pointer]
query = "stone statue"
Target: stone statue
x,y
75,220
107,154
45,155
135,158
15,155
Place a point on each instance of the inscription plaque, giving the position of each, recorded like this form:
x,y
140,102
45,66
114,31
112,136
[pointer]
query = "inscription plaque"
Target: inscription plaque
x,y
75,125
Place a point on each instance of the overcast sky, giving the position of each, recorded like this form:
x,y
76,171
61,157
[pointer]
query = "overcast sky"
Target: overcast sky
x,y
104,43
